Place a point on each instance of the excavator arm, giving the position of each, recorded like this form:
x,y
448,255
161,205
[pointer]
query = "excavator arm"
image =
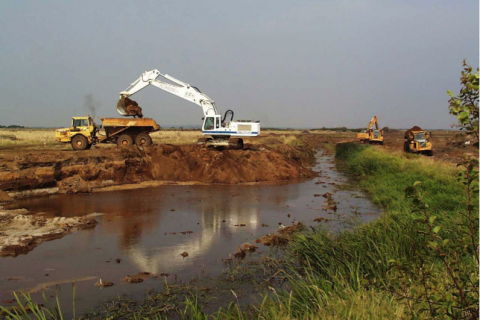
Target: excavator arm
x,y
373,122
177,87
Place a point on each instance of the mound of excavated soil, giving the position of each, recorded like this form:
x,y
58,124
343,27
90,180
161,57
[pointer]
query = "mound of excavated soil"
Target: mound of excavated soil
x,y
83,171
20,233
414,128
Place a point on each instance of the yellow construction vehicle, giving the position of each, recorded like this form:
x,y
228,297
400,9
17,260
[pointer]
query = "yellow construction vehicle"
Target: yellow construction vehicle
x,y
84,132
362,136
371,135
417,140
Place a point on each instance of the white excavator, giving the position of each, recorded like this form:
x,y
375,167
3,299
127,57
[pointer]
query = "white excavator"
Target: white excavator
x,y
220,131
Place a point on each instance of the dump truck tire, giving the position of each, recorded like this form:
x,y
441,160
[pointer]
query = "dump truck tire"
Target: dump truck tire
x,y
124,140
406,146
80,142
430,153
143,139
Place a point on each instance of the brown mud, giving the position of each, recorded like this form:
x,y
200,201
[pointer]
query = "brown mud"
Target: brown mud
x,y
84,171
283,236
20,233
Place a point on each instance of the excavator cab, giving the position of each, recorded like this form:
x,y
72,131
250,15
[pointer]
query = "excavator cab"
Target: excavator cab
x,y
212,123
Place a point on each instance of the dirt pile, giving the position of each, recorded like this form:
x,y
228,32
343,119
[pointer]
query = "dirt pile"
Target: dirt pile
x,y
460,140
131,107
189,163
414,128
77,172
283,235
20,233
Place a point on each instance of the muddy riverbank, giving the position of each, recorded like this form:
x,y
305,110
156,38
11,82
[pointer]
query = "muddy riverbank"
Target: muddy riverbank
x,y
21,232
148,230
26,173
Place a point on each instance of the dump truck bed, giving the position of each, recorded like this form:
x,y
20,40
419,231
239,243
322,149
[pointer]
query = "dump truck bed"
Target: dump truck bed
x,y
136,122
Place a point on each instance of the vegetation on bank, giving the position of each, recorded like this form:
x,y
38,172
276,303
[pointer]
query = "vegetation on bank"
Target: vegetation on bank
x,y
418,261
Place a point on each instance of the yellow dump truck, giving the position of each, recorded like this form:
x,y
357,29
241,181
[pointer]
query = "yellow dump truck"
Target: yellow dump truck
x,y
417,140
83,133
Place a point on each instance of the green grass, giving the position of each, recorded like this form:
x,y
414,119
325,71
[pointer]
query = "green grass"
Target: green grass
x,y
351,275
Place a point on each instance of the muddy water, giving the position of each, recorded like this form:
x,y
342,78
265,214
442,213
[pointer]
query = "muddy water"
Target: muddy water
x,y
144,228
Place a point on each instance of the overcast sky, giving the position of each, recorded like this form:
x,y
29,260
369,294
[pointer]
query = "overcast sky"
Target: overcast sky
x,y
286,63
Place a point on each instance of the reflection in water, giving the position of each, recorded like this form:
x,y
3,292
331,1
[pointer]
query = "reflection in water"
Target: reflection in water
x,y
144,228
221,216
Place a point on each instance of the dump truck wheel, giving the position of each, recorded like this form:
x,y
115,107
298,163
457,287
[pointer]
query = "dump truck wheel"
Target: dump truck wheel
x,y
143,139
124,140
430,153
406,146
80,142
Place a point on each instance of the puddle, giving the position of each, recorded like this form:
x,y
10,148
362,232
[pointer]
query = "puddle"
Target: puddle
x,y
149,230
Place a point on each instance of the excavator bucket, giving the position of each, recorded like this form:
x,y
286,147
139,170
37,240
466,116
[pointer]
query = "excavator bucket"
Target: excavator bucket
x,y
128,107
121,107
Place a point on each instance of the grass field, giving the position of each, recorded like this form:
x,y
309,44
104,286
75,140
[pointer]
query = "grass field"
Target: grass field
x,y
40,137
19,137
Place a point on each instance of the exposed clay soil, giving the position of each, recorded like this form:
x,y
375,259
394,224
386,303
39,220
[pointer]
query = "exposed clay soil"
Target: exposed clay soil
x,y
84,171
20,233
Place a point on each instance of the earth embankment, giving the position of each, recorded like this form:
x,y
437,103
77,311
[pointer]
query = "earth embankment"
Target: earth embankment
x,y
83,171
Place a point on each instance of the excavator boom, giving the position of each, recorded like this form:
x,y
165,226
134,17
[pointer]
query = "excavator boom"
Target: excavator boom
x,y
221,129
179,88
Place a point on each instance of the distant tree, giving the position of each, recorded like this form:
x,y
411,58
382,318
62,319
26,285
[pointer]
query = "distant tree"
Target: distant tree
x,y
386,129
465,105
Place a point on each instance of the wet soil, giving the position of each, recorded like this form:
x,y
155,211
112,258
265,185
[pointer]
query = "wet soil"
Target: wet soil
x,y
148,230
20,233
64,171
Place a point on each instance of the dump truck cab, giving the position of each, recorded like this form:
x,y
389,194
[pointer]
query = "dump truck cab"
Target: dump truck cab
x,y
82,132
418,141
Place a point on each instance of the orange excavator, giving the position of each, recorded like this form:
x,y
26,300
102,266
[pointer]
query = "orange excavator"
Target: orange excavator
x,y
371,135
